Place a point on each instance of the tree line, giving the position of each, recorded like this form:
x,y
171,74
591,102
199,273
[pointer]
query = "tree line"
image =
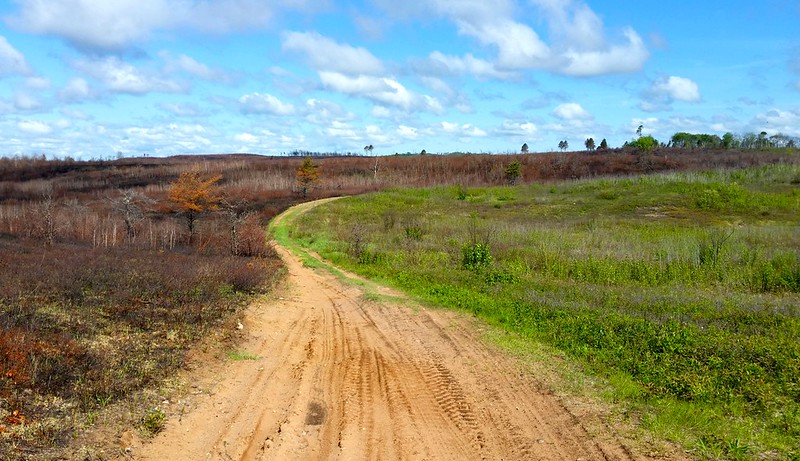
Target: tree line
x,y
684,140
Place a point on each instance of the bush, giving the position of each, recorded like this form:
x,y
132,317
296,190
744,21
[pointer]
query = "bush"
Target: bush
x,y
476,256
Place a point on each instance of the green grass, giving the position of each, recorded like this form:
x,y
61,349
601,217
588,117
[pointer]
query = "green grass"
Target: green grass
x,y
238,355
682,290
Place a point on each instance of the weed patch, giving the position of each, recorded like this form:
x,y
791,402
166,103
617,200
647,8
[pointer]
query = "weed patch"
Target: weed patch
x,y
694,306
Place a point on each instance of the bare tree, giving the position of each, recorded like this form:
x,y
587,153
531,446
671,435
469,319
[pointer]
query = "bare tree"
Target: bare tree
x,y
47,224
130,205
236,210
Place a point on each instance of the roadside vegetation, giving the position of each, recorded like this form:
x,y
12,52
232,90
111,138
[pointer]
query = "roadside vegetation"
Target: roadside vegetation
x,y
682,290
111,271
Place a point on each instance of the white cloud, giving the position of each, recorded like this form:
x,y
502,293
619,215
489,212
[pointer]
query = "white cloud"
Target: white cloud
x,y
26,102
650,125
407,132
184,63
258,103
571,111
576,43
115,24
75,114
166,139
12,61
34,127
468,64
514,128
76,89
575,23
785,122
121,77
381,112
381,90
246,138
621,58
37,83
183,110
677,89
325,54
464,130
322,112
362,84
518,46
342,130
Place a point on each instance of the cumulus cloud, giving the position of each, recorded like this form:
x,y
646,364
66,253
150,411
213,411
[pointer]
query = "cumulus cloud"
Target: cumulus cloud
x,y
183,109
517,128
257,103
26,102
666,90
518,46
121,77
785,122
163,138
616,59
571,111
407,132
76,89
576,41
34,127
184,63
342,131
37,83
462,130
325,54
323,112
380,90
677,89
246,138
468,64
12,62
112,25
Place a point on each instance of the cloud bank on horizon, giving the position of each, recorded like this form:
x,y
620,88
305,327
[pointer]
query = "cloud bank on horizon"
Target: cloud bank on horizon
x,y
95,79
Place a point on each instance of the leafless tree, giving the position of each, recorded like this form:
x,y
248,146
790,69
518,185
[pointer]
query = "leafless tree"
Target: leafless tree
x,y
130,204
236,212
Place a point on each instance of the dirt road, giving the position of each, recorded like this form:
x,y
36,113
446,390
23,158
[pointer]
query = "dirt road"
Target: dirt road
x,y
338,376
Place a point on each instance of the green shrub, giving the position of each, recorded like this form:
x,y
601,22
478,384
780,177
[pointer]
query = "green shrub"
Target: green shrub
x,y
476,256
153,422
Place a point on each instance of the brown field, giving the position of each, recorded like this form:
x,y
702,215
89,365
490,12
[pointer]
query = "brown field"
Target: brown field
x,y
103,292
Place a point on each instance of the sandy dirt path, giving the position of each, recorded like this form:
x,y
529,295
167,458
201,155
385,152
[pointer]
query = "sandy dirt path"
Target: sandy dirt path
x,y
341,377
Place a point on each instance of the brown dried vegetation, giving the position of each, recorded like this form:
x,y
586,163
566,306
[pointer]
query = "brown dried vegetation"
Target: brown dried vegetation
x,y
105,282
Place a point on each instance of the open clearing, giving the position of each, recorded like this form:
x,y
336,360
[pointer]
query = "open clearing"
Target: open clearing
x,y
331,374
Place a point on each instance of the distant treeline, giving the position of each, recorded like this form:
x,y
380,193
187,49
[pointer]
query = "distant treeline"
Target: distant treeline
x,y
685,140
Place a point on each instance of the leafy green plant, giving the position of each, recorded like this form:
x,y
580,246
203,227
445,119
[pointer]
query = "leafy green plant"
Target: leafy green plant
x,y
238,355
475,256
153,421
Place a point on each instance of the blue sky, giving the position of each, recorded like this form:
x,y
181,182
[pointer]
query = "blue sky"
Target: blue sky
x,y
91,79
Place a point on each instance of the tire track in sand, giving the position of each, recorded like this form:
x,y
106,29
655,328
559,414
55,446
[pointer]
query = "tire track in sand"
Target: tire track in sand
x,y
342,378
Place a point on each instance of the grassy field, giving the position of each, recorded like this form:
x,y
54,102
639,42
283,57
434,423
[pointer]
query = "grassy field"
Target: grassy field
x,y
682,290
104,289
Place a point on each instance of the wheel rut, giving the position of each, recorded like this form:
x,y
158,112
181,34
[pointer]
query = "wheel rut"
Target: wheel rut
x,y
339,377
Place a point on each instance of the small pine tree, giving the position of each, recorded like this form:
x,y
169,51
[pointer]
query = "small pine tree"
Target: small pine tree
x,y
307,176
513,172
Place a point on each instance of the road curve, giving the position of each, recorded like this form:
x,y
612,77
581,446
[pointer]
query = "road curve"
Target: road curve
x,y
339,376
